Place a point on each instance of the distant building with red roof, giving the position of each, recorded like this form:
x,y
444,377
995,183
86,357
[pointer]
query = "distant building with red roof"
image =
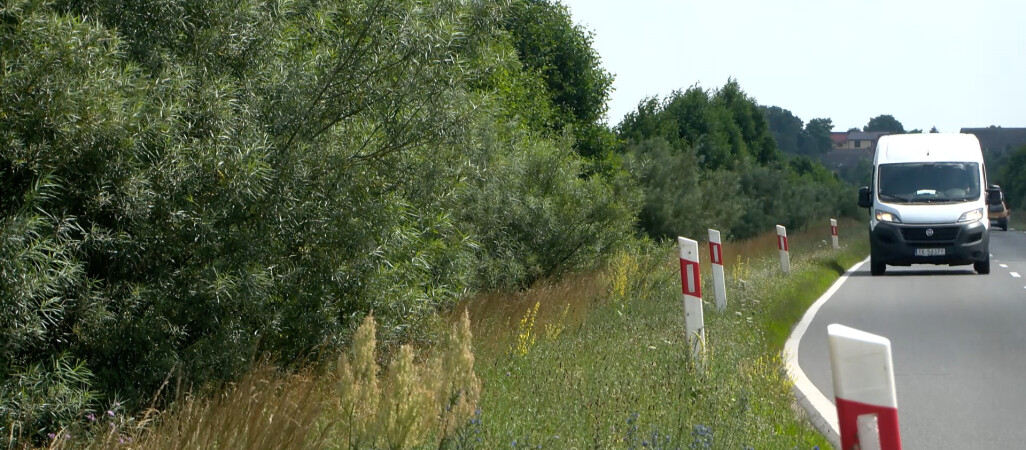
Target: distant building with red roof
x,y
839,138
857,140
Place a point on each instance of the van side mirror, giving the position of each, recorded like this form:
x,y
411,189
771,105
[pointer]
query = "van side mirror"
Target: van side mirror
x,y
994,196
865,197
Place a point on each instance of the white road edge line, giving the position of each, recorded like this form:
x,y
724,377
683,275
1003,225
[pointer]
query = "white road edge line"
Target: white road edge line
x,y
821,410
1016,275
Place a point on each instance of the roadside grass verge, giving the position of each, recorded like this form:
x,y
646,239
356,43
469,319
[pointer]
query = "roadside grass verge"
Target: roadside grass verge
x,y
619,374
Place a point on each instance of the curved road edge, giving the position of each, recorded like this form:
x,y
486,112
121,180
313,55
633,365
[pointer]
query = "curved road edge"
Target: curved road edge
x,y
821,410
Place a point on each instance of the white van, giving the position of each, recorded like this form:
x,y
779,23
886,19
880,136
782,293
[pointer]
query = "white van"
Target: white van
x,y
927,202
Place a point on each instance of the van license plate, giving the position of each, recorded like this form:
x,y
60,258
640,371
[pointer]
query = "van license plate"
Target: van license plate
x,y
929,252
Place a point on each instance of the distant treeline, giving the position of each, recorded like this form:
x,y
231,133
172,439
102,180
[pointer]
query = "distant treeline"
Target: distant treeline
x,y
185,185
706,159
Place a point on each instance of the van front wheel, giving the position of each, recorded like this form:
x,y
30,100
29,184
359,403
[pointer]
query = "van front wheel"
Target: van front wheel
x,y
876,268
982,267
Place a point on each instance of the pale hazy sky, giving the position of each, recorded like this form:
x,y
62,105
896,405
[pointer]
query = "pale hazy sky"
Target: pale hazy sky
x,y
926,62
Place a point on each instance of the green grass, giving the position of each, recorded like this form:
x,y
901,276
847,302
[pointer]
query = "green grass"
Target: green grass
x,y
621,375
821,270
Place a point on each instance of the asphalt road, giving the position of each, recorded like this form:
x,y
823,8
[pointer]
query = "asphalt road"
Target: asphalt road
x,y
958,340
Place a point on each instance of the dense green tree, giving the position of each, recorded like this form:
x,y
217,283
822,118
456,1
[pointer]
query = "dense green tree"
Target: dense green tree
x,y
754,139
884,122
701,159
549,44
794,137
701,124
724,126
649,121
680,198
817,136
786,129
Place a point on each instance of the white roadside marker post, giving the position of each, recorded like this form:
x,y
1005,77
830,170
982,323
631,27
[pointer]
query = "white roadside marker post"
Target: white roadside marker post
x,y
867,404
716,258
785,259
833,233
691,282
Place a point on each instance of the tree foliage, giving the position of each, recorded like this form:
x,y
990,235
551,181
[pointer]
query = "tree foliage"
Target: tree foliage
x,y
187,184
786,128
724,125
550,45
884,122
818,139
795,138
708,159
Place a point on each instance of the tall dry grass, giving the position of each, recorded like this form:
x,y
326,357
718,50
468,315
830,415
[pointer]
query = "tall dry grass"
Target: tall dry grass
x,y
419,400
560,305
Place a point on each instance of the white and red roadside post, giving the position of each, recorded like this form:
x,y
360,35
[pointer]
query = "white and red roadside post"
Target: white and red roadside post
x,y
691,282
867,403
716,258
833,233
785,259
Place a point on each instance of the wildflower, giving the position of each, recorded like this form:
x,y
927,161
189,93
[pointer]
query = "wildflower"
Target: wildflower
x,y
91,417
51,436
110,413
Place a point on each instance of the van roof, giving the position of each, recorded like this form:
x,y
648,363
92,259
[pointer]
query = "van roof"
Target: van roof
x,y
929,147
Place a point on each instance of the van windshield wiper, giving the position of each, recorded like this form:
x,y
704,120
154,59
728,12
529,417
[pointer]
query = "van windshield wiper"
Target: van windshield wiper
x,y
894,197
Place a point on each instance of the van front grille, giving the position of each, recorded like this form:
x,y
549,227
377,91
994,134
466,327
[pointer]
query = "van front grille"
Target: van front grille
x,y
929,234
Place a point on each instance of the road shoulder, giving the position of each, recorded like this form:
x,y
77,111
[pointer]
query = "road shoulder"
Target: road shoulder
x,y
821,410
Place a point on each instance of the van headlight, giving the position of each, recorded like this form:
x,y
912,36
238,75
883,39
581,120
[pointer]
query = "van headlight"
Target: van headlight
x,y
972,216
884,216
888,216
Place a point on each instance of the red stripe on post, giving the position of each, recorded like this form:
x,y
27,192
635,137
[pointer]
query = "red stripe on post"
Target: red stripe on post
x,y
833,230
691,281
848,413
716,253
782,243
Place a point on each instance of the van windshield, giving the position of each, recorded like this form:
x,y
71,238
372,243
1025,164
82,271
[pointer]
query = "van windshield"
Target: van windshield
x,y
946,182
